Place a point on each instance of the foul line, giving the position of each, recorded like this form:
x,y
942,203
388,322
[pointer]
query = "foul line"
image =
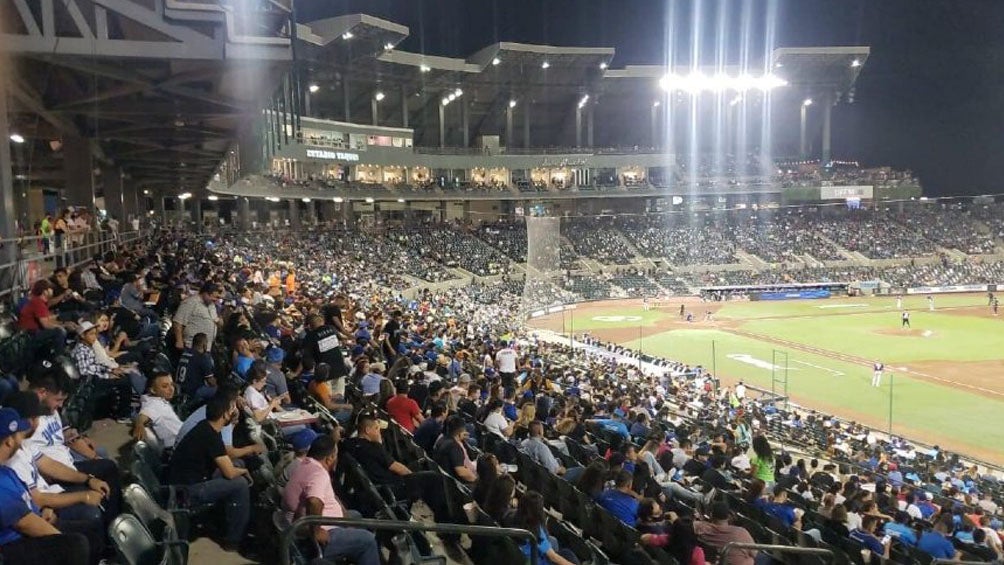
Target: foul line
x,y
828,370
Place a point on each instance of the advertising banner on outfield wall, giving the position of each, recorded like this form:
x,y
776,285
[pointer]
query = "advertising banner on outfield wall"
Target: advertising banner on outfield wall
x,y
792,295
845,192
943,289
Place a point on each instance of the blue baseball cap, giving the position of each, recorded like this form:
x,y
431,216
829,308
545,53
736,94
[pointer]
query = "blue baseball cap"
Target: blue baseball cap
x,y
303,439
275,354
11,422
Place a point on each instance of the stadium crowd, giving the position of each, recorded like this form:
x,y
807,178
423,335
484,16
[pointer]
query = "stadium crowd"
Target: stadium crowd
x,y
264,379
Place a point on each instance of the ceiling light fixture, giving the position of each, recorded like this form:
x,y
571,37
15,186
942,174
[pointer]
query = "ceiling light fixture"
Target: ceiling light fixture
x,y
17,138
313,88
545,65
496,61
347,35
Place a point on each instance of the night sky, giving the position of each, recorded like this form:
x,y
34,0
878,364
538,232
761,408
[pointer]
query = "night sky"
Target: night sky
x,y
930,99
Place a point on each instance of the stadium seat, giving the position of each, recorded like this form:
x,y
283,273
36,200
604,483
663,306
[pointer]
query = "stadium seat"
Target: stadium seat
x,y
135,545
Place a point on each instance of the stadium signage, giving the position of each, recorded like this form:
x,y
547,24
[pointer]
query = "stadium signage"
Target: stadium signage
x,y
845,192
943,289
332,155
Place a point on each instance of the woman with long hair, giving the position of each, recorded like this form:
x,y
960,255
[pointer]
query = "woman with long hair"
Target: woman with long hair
x,y
487,468
530,516
650,451
762,462
527,414
498,500
594,478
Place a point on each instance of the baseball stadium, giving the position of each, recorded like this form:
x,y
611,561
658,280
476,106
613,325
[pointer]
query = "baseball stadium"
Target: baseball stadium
x,y
567,282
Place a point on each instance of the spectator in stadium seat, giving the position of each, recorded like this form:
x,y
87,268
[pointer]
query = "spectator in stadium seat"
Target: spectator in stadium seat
x,y
539,451
226,433
27,535
621,501
97,362
156,411
320,386
309,493
368,450
715,476
197,314
77,507
495,422
719,532
901,530
276,386
865,535
430,429
201,464
936,543
66,446
47,333
530,516
196,371
450,452
403,409
762,461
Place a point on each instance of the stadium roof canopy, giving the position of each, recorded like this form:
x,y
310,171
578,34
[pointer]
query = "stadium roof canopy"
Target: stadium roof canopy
x,y
361,50
158,88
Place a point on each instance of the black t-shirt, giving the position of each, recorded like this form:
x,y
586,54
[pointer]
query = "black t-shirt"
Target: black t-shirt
x,y
194,458
427,432
716,479
373,458
449,455
322,345
193,368
393,329
331,314
693,467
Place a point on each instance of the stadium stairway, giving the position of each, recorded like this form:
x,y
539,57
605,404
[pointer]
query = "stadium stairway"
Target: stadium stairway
x,y
753,261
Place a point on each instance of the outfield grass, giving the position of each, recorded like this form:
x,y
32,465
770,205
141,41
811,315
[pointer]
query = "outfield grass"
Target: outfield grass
x,y
919,407
878,336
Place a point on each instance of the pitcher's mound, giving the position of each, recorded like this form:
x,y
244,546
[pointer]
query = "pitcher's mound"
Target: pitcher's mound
x,y
907,332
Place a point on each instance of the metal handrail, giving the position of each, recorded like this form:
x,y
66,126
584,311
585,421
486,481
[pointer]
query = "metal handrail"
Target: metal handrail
x,y
774,548
286,538
940,561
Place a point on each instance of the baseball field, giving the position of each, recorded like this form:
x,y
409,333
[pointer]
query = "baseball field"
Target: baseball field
x,y
944,375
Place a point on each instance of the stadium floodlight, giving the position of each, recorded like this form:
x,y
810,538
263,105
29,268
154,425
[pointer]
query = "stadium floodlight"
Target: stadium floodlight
x,y
807,102
458,92
424,68
512,103
388,46
496,61
698,82
856,63
545,65
379,96
451,97
603,66
213,198
583,101
347,35
369,200
445,101
17,138
146,192
305,200
338,200
313,88
184,196
400,200
272,198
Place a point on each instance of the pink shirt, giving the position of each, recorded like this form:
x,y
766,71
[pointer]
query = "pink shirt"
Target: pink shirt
x,y
310,480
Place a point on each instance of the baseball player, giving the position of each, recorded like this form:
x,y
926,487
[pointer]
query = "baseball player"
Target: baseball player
x,y
905,320
877,369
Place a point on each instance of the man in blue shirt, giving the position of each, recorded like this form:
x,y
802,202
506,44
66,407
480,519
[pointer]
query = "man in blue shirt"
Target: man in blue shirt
x,y
615,425
901,530
936,543
620,501
26,532
779,507
866,537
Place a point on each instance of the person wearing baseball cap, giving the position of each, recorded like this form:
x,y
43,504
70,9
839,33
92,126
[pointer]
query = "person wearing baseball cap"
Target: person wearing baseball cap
x,y
27,533
47,333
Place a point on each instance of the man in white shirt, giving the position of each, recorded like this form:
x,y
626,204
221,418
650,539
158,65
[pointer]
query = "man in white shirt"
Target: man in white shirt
x,y
740,390
505,361
495,421
156,411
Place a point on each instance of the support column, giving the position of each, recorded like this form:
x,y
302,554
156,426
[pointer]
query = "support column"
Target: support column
x,y
161,210
244,211
404,107
654,125
803,138
111,182
465,124
578,127
508,126
312,213
526,126
346,95
375,111
130,204
7,213
78,166
589,126
442,125
197,214
827,127
294,215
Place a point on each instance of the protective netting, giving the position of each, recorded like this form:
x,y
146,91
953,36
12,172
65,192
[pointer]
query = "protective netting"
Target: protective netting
x,y
543,263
